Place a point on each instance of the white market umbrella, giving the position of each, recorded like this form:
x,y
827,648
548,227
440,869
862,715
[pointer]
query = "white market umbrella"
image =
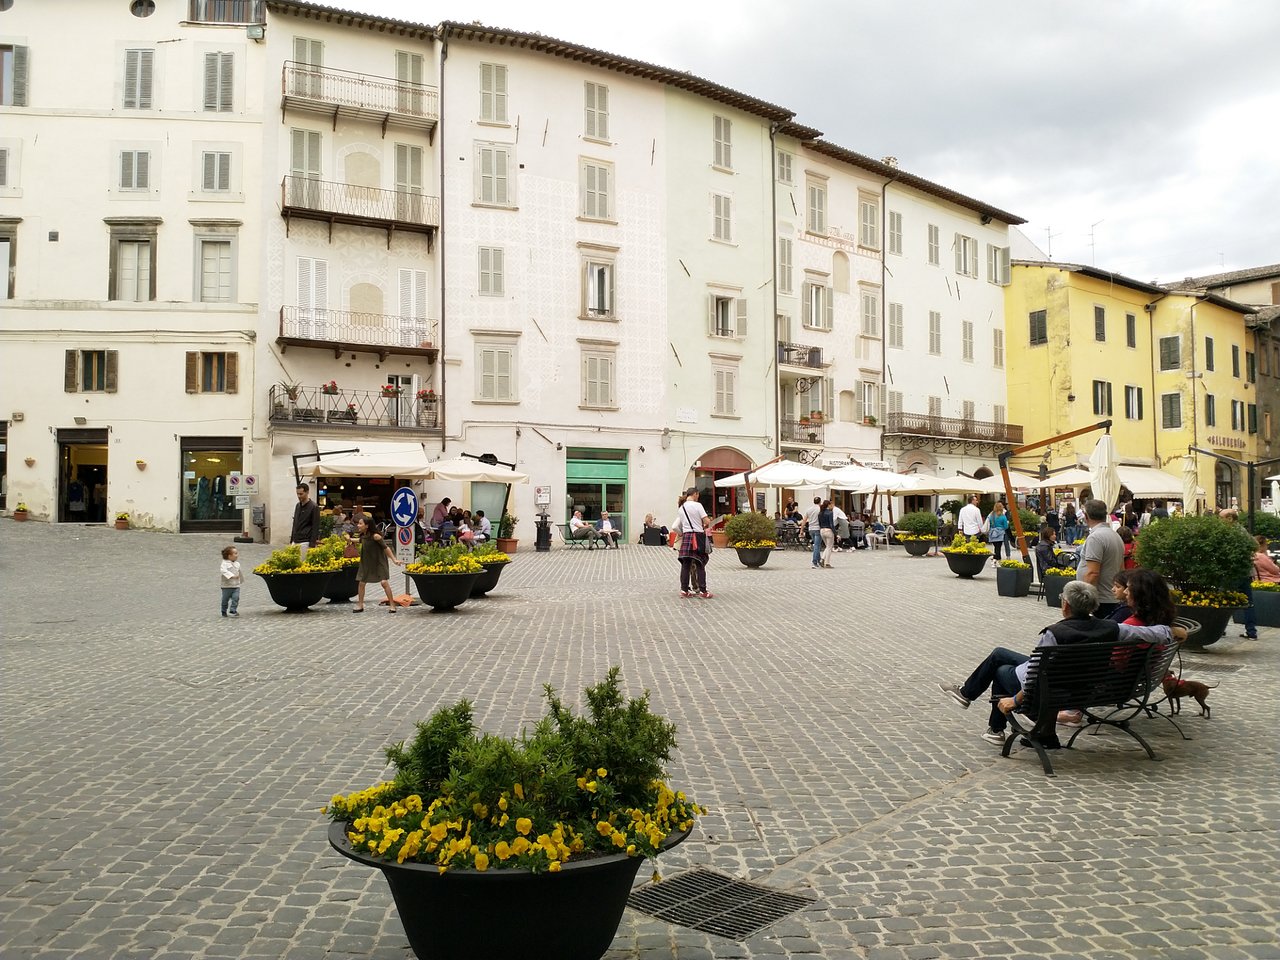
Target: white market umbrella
x,y
1104,473
781,473
1017,479
926,484
468,470
1075,477
857,479
1190,484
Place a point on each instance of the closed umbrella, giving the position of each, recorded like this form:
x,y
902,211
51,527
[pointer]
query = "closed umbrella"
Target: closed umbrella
x,y
1104,474
1190,484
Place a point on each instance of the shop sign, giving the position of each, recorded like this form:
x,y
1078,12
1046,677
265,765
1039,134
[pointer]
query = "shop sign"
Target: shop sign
x,y
1228,443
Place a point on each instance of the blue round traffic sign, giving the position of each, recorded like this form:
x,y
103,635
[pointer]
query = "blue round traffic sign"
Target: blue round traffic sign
x,y
404,507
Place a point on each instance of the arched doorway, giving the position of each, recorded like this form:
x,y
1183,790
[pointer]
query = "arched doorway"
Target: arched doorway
x,y
716,465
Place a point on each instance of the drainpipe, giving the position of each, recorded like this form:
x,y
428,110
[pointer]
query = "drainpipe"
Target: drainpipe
x,y
773,232
884,305
1150,309
440,246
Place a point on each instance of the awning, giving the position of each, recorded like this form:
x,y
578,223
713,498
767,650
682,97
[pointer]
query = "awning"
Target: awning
x,y
1150,482
869,480
374,458
780,473
468,469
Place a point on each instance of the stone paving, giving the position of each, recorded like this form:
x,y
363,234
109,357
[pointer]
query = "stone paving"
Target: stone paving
x,y
163,768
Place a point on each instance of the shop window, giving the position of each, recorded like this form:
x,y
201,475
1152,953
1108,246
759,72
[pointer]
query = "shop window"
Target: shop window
x,y
207,463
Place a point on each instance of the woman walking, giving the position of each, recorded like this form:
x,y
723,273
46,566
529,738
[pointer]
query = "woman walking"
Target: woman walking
x,y
827,530
691,523
998,531
374,554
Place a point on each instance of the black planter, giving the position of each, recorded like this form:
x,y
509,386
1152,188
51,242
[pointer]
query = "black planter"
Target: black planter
x,y
1053,589
296,591
1011,582
489,579
342,585
1213,623
967,565
753,556
918,548
500,914
1266,609
444,591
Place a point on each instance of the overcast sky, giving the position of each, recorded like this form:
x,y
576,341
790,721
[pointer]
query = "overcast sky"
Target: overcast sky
x,y
1142,134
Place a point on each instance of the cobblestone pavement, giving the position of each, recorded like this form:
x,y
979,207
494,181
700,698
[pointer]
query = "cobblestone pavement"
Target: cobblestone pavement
x,y
163,768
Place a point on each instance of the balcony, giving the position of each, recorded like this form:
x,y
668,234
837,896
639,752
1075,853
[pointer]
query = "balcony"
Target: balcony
x,y
236,12
389,210
803,432
358,96
352,410
799,355
344,332
920,429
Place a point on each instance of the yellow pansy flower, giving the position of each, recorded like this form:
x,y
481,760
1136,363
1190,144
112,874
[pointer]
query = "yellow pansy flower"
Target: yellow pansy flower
x,y
482,862
502,850
519,791
524,825
554,866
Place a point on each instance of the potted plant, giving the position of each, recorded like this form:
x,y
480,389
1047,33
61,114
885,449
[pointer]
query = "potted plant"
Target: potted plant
x,y
1206,561
1055,578
291,390
330,389
1266,604
122,521
333,549
1013,578
917,532
20,512
507,532
497,847
752,535
293,584
494,561
390,390
444,576
428,410
966,556
1030,526
869,420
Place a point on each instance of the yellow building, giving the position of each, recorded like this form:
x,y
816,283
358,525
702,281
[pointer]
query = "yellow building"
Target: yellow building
x,y
1171,370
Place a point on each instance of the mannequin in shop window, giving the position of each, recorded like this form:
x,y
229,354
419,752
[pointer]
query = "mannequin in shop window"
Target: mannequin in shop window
x,y
76,502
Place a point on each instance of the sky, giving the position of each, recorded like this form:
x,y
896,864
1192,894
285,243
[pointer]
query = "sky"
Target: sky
x,y
1139,136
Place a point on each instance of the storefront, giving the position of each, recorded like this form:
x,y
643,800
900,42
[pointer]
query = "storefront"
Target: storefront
x,y
367,495
596,480
82,476
206,464
716,465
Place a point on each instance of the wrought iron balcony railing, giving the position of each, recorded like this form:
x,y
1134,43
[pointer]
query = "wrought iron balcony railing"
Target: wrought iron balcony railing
x,y
799,355
350,203
368,332
342,93
809,431
228,11
952,428
293,403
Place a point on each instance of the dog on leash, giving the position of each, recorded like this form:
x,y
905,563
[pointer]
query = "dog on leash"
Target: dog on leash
x,y
1175,689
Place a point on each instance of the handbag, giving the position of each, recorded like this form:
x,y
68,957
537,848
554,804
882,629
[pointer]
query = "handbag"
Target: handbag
x,y
351,550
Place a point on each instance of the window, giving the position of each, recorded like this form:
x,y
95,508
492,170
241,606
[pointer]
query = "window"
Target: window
x,y
895,232
212,372
413,307
966,255
13,75
219,71
1171,411
1102,398
967,410
935,245
721,217
304,165
935,333
227,11
408,182
139,67
595,105
1250,367
894,402
496,364
1130,330
870,301
492,283
1208,353
135,169
1100,324
966,340
597,378
724,402
215,264
1039,327
597,190
1210,410
784,265
784,166
818,306
313,297
997,348
411,95
493,93
1170,353
997,265
91,371
727,316
1237,415
142,8
493,165
1235,361
8,247
1133,403
895,325
722,133
998,413
215,174
935,406
817,219
133,268
597,289
868,223
869,401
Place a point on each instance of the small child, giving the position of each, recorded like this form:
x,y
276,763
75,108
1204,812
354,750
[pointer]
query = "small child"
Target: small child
x,y
231,581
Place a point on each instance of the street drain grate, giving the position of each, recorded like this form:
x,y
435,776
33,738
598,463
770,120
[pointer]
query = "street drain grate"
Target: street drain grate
x,y
713,903
1208,666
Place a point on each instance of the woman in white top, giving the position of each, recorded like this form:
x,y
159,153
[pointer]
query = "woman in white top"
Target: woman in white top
x,y
691,523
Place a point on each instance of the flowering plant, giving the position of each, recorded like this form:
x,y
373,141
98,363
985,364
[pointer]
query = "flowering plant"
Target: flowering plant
x,y
331,550
351,408
756,544
579,786
1060,572
489,553
388,390
330,388
451,559
427,394
967,545
1014,565
1211,599
1264,586
918,525
289,560
914,536
119,516
750,531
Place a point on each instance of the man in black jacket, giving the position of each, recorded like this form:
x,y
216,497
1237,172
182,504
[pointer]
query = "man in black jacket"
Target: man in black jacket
x,y
306,521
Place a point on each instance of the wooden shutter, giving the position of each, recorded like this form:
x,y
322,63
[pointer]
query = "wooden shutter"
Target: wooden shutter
x,y
138,72
488,369
21,59
413,294
211,81
740,318
218,81
111,371
71,371
711,315
232,379
193,371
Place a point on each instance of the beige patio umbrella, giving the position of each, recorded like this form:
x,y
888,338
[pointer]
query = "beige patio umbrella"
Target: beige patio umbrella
x,y
1190,484
1104,474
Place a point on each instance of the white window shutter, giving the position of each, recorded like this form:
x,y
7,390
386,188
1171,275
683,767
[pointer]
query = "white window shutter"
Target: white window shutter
x,y
4,174
224,171
21,59
711,315
740,318
126,169
209,177
142,169
602,111
211,81
959,247
304,285
828,308
973,258
858,407
500,176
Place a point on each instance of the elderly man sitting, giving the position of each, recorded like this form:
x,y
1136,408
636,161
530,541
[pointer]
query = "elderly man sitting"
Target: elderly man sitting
x,y
607,531
1005,671
579,529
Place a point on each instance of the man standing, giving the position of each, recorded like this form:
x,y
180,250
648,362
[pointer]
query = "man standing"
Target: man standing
x,y
1101,557
306,521
970,519
811,524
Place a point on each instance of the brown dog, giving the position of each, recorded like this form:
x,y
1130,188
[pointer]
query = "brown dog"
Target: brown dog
x,y
1176,689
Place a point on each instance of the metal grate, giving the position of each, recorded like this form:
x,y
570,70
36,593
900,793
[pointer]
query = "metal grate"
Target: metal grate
x,y
1198,665
713,903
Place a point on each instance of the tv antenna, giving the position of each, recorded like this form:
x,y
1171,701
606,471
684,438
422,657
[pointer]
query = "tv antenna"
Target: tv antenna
x,y
1049,240
1093,260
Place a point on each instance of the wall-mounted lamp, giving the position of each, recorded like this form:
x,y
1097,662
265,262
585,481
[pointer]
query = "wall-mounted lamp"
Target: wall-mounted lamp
x,y
140,464
255,31
666,438
30,461
559,446
81,421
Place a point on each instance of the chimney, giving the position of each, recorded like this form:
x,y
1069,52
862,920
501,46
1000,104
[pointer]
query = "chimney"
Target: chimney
x,y
890,162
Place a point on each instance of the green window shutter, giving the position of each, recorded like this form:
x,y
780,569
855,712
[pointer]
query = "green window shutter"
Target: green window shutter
x,y
71,371
111,379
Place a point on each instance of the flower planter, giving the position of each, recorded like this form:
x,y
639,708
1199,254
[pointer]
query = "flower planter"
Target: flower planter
x,y
499,914
967,565
918,548
1213,623
1011,582
1053,589
120,524
342,585
296,591
719,539
489,579
507,544
753,556
1266,609
444,591
20,515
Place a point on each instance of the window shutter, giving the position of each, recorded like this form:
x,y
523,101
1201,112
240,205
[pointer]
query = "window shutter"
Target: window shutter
x,y
126,169
21,57
959,248
226,67
740,318
500,176
111,371
70,371
828,307
131,78
232,380
211,81
4,168
142,169
500,93
502,379
193,371
210,174
602,111
711,315
589,100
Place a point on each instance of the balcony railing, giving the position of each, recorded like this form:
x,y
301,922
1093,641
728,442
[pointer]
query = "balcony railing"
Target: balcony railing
x,y
341,331
793,431
228,11
364,206
352,408
953,428
799,355
341,93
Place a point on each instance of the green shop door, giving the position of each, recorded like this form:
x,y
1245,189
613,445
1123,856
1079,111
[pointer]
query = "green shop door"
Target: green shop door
x,y
595,481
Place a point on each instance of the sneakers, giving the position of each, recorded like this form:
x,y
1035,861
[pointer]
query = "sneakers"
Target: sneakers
x,y
953,690
995,736
707,596
1070,718
232,613
685,594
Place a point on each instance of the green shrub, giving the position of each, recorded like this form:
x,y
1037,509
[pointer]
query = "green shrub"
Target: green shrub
x,y
922,523
1192,553
744,527
1264,525
1030,522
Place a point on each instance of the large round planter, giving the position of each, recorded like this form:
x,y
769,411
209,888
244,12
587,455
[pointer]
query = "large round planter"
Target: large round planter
x,y
753,556
1053,590
967,565
444,591
499,914
1266,608
1011,582
1213,623
918,548
489,579
296,591
342,585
